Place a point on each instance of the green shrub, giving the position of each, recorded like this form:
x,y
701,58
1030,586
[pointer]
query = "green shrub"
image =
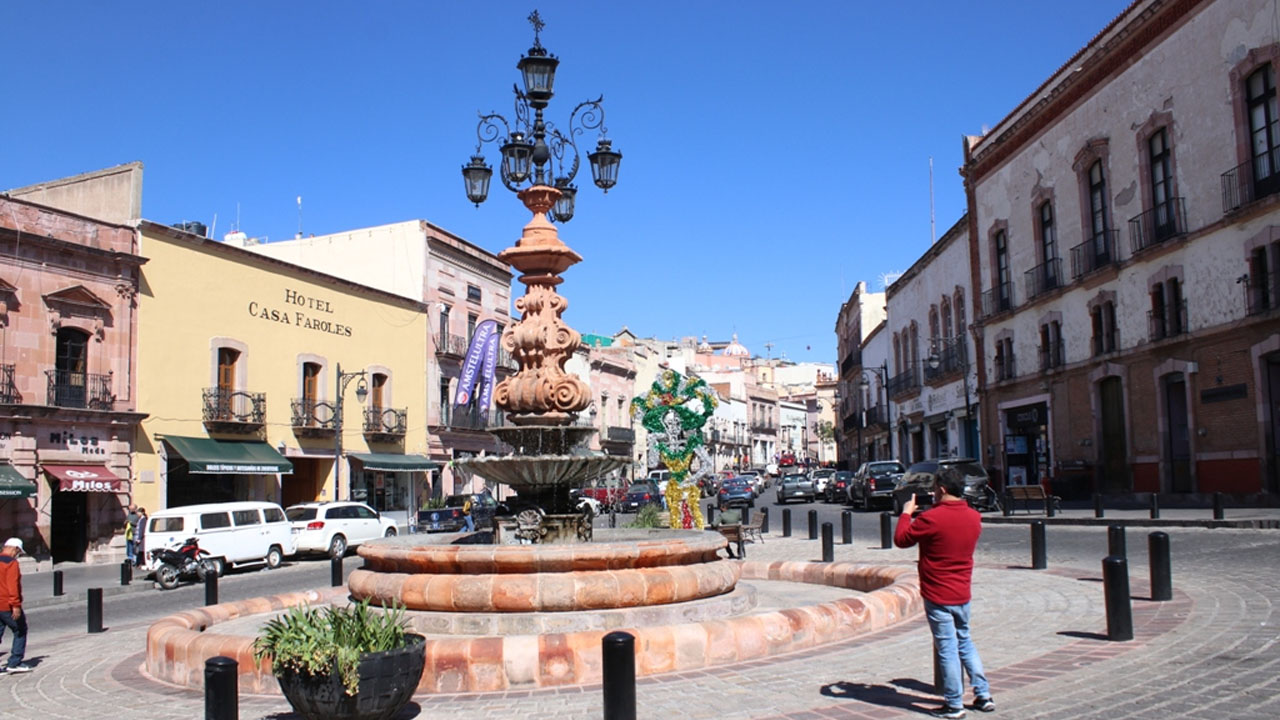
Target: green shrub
x,y
647,517
434,504
315,642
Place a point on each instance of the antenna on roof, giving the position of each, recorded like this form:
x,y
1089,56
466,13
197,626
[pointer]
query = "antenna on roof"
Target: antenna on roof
x,y
933,228
299,216
237,226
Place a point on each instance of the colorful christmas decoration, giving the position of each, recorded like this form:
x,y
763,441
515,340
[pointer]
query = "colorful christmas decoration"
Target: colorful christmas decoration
x,y
674,411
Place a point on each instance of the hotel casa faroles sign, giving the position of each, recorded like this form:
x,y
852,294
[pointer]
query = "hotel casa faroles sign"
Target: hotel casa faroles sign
x,y
304,311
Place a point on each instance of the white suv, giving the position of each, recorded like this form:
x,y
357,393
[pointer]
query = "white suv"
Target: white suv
x,y
333,527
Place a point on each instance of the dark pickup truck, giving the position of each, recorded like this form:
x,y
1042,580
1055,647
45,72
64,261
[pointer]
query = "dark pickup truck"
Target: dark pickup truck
x,y
451,519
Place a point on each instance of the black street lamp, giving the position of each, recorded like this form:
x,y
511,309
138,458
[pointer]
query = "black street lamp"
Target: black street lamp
x,y
362,392
863,384
957,347
536,151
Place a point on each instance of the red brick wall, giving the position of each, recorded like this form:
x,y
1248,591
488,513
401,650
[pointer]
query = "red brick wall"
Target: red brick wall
x,y
1230,476
1146,477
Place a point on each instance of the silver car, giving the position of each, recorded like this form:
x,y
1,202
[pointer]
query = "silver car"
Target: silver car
x,y
796,486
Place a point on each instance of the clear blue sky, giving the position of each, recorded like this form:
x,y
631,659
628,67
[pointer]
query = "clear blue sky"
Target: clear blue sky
x,y
774,153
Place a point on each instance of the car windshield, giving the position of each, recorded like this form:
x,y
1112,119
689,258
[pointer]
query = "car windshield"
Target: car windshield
x,y
970,469
793,479
843,475
884,468
923,467
300,513
456,500
640,488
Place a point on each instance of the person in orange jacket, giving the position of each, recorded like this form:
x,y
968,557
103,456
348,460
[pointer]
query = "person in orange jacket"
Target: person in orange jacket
x,y
11,615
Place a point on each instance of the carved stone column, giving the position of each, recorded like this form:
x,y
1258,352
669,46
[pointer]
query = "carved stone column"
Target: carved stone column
x,y
541,392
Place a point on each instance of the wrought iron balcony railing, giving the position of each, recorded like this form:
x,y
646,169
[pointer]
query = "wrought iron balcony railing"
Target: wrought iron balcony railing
x,y
1052,355
308,414
8,388
1252,180
904,382
877,415
950,360
619,434
998,299
850,361
1162,222
469,418
452,345
1262,293
1169,323
385,421
80,390
764,426
505,360
1104,343
1005,367
1043,278
1094,254
223,405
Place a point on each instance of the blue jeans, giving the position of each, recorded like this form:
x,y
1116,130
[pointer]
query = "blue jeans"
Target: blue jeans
x,y
19,627
128,552
469,523
954,649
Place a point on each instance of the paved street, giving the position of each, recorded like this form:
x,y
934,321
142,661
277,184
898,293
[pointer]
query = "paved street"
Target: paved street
x,y
1211,652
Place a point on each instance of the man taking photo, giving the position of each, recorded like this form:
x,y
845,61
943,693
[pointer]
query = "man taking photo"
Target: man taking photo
x,y
947,534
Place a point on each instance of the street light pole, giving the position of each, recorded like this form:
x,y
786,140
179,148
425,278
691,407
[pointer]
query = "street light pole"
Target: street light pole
x,y
935,361
863,384
362,391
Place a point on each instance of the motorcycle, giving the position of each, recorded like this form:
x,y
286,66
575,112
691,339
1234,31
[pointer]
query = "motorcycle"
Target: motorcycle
x,y
982,497
181,563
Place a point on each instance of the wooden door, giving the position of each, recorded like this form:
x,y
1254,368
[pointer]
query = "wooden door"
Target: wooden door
x,y
1115,465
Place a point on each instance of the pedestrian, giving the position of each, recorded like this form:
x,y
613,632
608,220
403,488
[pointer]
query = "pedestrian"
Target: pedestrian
x,y
139,538
11,615
467,519
130,524
727,516
947,534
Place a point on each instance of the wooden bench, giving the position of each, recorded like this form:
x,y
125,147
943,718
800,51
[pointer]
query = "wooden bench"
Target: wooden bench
x,y
734,534
751,529
1029,493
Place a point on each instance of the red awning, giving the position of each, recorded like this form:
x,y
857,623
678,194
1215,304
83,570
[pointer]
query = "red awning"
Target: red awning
x,y
86,478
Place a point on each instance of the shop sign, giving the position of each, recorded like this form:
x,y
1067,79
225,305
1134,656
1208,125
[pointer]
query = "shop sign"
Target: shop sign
x,y
304,311
82,444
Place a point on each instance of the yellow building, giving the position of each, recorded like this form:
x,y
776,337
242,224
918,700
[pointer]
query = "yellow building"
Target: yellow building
x,y
243,364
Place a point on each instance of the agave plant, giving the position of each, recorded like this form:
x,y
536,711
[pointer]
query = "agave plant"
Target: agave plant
x,y
319,641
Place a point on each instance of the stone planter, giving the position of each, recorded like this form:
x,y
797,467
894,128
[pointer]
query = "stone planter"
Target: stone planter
x,y
387,682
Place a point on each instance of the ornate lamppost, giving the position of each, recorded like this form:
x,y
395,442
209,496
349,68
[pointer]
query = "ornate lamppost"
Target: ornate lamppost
x,y
539,163
955,347
863,385
362,392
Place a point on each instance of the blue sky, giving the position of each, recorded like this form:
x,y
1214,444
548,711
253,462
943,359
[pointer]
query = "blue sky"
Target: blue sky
x,y
774,154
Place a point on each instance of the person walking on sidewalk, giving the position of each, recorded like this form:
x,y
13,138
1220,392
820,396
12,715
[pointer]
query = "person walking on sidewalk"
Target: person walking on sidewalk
x,y
11,615
947,534
130,524
139,538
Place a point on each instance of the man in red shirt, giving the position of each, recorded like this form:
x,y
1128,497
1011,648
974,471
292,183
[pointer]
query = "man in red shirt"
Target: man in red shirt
x,y
947,534
11,615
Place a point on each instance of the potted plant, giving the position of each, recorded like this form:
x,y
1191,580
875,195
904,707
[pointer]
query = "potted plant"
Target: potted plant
x,y
343,662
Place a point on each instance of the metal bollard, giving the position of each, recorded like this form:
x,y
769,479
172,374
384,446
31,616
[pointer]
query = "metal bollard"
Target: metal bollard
x,y
1007,509
126,573
764,520
335,571
711,514
1155,506
828,540
221,691
619,676
1115,587
746,515
886,530
1039,558
786,522
1219,509
1158,559
57,583
813,524
95,610
846,527
1097,506
211,588
1115,541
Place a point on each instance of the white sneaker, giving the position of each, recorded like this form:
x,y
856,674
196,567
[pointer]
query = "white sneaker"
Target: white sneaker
x,y
18,668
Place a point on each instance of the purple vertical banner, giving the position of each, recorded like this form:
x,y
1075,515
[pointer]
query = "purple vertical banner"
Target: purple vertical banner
x,y
490,366
471,364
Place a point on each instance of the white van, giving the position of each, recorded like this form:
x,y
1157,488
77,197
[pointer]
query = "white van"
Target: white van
x,y
231,533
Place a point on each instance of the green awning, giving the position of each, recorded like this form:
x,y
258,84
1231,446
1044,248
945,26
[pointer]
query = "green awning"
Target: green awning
x,y
209,456
390,462
13,485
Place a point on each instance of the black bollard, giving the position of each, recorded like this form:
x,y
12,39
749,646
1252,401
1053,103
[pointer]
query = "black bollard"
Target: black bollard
x,y
57,583
1115,587
335,572
221,691
95,610
1115,541
764,520
813,524
126,573
746,515
1158,559
886,530
211,588
1155,506
786,522
846,527
619,676
1219,511
711,514
1097,506
1007,510
828,543
1039,558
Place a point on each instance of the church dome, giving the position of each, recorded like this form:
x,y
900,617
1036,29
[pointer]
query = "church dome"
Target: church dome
x,y
704,346
736,349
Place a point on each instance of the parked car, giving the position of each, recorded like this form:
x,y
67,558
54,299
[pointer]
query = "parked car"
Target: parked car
x,y
821,477
335,527
838,487
606,496
640,494
757,479
660,478
919,480
737,492
450,518
230,533
873,483
795,486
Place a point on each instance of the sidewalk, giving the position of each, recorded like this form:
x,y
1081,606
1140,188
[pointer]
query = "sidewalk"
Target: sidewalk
x,y
1080,514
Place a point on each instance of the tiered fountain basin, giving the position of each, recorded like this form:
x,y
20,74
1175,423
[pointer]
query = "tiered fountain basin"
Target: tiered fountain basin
x,y
483,652
623,568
